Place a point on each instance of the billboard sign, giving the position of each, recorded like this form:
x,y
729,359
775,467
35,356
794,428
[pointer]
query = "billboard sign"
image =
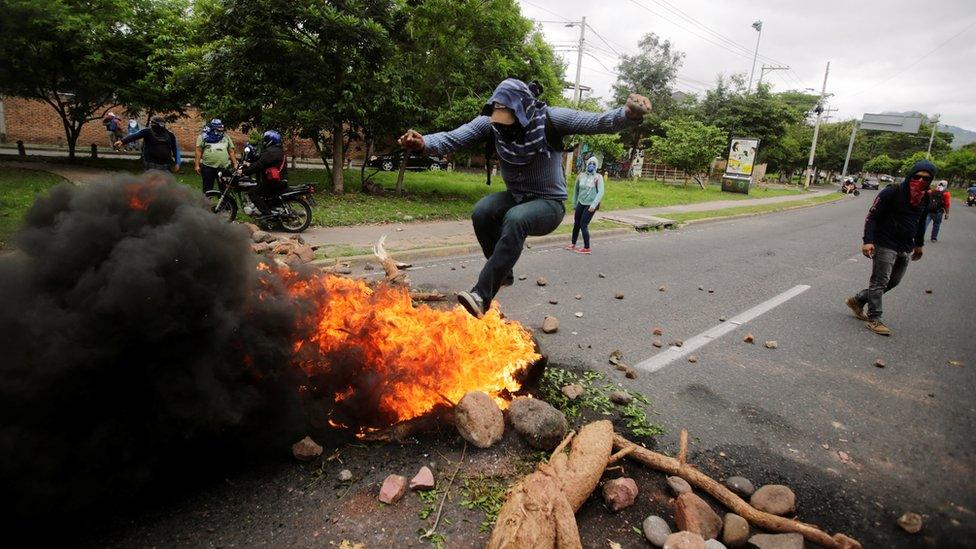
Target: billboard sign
x,y
738,168
891,123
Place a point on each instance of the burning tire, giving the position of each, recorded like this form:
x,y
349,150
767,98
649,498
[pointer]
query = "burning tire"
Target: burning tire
x,y
227,207
298,215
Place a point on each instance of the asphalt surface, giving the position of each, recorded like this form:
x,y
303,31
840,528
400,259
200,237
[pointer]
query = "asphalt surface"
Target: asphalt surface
x,y
860,445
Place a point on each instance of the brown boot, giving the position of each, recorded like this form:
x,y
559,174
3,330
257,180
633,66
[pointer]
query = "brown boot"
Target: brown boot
x,y
858,309
878,327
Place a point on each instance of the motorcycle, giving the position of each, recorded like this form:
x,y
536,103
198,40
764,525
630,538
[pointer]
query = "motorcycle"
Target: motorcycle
x,y
291,209
850,188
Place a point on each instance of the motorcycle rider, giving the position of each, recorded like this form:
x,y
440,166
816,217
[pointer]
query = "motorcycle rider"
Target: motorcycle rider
x,y
271,170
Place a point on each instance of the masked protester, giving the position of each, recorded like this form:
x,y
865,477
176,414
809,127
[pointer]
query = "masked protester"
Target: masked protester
x,y
113,126
587,194
271,169
159,148
939,202
894,231
215,152
526,135
132,128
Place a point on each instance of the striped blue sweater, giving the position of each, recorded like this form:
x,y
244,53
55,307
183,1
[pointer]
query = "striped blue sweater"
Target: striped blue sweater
x,y
544,175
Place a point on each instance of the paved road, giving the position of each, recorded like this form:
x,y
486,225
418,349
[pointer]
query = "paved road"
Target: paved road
x,y
785,415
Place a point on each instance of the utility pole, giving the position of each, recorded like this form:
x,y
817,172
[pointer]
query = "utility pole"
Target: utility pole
x,y
758,26
935,124
769,68
816,129
579,60
850,148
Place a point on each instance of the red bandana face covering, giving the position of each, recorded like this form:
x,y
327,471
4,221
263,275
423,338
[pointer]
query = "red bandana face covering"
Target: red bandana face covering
x,y
917,190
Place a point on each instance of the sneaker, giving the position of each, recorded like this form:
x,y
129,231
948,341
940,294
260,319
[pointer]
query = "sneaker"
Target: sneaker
x,y
583,251
858,309
569,247
472,302
935,240
878,327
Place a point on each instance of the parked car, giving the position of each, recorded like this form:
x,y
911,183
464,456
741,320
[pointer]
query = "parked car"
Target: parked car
x,y
870,183
887,179
391,161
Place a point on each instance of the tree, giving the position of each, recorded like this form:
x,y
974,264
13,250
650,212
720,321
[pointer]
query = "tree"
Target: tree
x,y
906,164
81,57
960,165
651,73
688,145
880,164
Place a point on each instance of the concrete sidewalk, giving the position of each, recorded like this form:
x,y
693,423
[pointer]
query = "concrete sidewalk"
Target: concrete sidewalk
x,y
434,234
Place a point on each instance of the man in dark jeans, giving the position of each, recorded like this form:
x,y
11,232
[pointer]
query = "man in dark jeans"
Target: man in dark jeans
x,y
939,203
518,126
894,231
159,148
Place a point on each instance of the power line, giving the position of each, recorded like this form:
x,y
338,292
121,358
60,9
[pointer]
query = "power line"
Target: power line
x,y
705,38
547,10
600,36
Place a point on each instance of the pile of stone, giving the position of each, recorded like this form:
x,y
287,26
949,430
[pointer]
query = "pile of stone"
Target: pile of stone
x,y
290,251
395,486
481,422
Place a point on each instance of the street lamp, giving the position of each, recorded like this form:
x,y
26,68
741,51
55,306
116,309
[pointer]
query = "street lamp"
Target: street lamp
x,y
758,26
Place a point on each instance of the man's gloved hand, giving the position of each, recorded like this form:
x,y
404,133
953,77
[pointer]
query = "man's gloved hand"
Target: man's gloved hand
x,y
412,141
637,106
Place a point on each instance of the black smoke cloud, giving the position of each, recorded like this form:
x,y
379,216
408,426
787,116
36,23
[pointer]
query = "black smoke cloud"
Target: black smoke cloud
x,y
138,342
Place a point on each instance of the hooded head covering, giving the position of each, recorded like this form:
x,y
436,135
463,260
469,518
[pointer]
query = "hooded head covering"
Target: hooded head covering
x,y
157,125
916,189
530,115
594,161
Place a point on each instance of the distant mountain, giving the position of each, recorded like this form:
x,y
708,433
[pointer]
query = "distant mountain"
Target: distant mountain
x,y
960,136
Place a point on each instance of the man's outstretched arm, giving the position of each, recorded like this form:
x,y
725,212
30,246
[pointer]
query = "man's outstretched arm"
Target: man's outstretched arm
x,y
468,134
573,122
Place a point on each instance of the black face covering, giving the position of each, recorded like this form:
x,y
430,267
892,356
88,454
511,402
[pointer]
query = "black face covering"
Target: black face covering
x,y
510,132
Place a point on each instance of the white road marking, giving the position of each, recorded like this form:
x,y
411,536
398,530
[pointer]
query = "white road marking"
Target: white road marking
x,y
673,353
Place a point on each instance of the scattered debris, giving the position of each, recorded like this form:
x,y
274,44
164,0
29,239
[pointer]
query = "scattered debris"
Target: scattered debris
x,y
539,423
578,296
423,480
427,296
259,236
693,514
657,331
678,485
615,357
657,343
620,493
684,540
541,281
775,499
721,319
701,288
656,530
621,397
390,266
740,486
735,530
522,277
601,275
663,288
910,522
771,344
777,541
618,295
393,489
714,544
554,302
956,363
928,290
711,291
678,343
630,373
345,475
572,391
371,267
693,359
749,338
306,449
880,363
479,420
578,314
550,324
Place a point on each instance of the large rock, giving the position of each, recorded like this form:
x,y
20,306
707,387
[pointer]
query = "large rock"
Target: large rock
x,y
306,449
693,514
550,324
572,391
656,530
393,489
261,236
740,486
684,540
620,493
423,480
774,498
735,530
679,485
479,420
714,544
910,522
541,425
777,541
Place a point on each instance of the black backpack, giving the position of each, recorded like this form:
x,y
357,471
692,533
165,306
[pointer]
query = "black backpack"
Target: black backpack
x,y
936,201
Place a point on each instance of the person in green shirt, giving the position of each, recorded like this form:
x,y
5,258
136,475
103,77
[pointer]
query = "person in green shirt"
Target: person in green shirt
x,y
215,152
587,194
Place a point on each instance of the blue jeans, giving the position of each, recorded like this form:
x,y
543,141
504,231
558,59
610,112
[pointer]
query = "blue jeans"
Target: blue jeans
x,y
936,219
501,223
581,222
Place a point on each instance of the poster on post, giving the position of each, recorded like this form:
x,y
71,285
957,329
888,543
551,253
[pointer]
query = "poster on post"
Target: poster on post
x,y
738,167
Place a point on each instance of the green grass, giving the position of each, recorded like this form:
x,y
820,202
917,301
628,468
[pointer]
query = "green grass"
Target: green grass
x,y
742,210
18,189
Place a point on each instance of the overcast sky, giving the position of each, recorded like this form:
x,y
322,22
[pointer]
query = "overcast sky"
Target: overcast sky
x,y
885,55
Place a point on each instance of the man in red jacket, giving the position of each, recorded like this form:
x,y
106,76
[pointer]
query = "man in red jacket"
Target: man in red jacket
x,y
939,202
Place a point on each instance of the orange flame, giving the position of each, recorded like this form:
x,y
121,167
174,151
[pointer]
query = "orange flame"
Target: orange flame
x,y
423,356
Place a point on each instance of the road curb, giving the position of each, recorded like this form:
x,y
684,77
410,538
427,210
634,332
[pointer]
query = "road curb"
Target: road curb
x,y
754,214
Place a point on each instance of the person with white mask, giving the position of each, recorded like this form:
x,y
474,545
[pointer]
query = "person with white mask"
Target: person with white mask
x,y
587,194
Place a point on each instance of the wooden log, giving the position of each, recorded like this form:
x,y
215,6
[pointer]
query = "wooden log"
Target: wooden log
x,y
726,497
427,296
